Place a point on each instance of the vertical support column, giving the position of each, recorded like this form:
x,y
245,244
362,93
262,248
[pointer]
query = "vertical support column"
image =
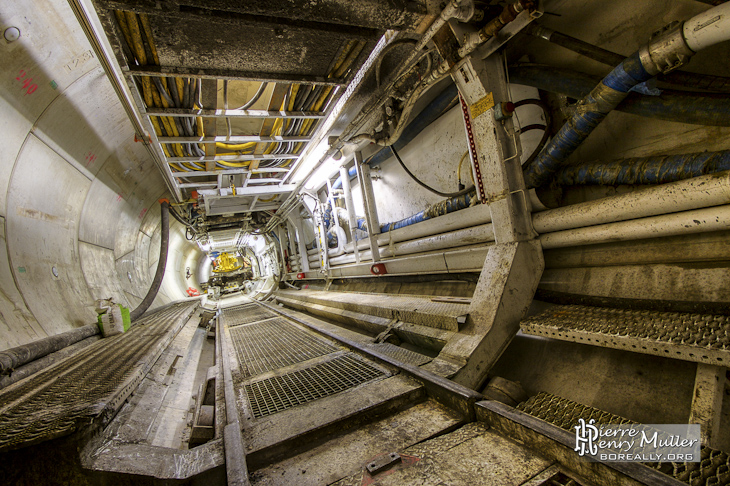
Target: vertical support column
x,y
371,212
515,263
331,198
209,98
280,234
293,249
482,85
303,255
350,205
322,240
707,402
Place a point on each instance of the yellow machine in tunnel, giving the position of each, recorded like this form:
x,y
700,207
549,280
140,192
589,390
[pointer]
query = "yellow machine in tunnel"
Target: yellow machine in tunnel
x,y
226,263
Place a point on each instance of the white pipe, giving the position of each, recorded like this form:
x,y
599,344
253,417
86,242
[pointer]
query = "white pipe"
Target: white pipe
x,y
687,222
464,237
695,193
708,28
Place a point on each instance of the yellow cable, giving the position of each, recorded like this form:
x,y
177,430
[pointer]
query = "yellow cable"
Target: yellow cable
x,y
137,44
235,147
145,21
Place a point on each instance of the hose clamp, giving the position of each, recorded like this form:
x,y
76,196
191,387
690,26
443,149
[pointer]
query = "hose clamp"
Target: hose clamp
x,y
461,10
666,50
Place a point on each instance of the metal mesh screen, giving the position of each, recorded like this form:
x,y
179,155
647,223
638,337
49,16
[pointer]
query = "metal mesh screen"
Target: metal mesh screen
x,y
273,344
244,314
279,393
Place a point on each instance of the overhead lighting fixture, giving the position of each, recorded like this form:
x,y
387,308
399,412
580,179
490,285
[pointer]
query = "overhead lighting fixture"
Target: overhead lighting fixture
x,y
324,172
309,161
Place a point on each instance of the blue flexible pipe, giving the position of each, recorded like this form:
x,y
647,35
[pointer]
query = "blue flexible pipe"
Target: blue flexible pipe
x,y
646,170
611,91
707,109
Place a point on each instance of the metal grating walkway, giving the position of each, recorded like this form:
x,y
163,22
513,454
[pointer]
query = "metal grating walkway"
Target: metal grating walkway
x,y
279,393
92,383
712,470
274,343
701,338
401,354
424,311
244,314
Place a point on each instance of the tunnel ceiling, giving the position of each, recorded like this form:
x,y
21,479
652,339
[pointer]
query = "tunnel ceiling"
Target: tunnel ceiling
x,y
233,95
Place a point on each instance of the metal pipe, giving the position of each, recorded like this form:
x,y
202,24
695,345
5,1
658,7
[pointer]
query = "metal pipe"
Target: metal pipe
x,y
680,78
663,53
687,195
678,106
161,263
465,237
302,246
350,205
371,211
687,222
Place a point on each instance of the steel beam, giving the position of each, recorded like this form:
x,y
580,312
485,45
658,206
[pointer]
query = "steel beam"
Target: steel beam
x,y
514,265
233,139
350,206
707,402
164,71
231,158
207,173
207,113
371,210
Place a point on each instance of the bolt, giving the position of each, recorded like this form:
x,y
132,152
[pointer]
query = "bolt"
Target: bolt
x,y
12,34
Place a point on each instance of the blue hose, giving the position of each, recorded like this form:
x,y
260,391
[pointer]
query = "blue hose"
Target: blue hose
x,y
646,170
438,209
594,108
707,109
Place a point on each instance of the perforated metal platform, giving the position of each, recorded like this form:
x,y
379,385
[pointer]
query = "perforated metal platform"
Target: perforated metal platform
x,y
417,310
279,393
90,384
244,314
274,343
401,354
712,470
690,337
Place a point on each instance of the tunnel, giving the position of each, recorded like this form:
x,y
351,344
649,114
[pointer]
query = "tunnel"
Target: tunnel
x,y
378,242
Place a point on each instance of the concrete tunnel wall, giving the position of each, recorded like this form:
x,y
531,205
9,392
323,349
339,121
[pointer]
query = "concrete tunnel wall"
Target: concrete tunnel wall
x,y
77,194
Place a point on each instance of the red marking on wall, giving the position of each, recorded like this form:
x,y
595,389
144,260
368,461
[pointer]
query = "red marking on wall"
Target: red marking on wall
x,y
119,197
142,213
26,83
90,158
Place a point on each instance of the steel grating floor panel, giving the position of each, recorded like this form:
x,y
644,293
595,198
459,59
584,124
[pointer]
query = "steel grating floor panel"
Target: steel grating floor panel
x,y
244,314
713,469
701,338
423,311
280,393
401,354
91,383
274,343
